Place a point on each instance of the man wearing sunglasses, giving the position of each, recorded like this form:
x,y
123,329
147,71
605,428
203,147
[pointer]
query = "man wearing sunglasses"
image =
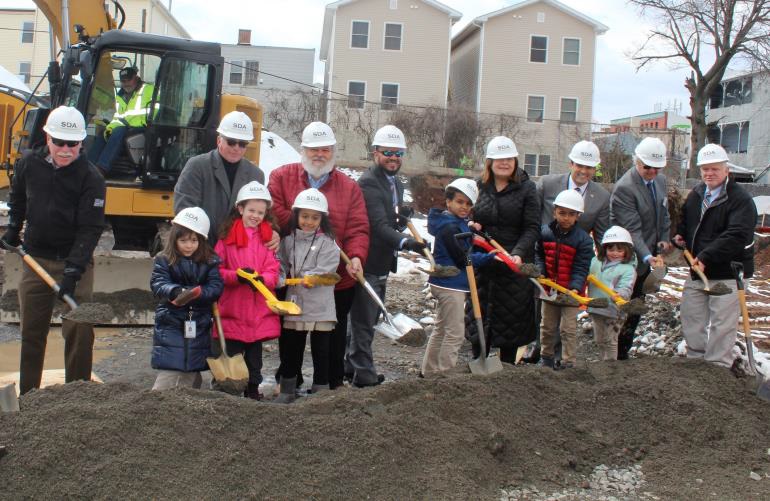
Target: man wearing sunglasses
x,y
60,195
384,197
211,180
639,204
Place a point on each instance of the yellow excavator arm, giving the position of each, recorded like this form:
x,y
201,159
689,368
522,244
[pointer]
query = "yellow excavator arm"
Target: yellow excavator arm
x,y
91,14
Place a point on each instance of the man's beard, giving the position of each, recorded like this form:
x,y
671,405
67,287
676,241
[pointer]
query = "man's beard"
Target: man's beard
x,y
316,171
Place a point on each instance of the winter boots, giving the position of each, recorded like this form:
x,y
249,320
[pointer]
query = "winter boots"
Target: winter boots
x,y
318,388
288,391
252,392
546,362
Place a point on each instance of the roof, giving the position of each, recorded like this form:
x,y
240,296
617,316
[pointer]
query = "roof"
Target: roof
x,y
331,9
475,24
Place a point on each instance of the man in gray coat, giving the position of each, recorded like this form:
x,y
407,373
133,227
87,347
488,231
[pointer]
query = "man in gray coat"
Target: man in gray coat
x,y
211,180
639,204
584,158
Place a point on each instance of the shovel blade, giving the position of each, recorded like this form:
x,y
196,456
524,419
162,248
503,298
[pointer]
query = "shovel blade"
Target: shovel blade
x,y
403,330
9,402
284,307
224,368
483,366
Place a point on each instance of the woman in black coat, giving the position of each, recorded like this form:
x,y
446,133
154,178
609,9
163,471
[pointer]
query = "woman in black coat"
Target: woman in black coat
x,y
507,209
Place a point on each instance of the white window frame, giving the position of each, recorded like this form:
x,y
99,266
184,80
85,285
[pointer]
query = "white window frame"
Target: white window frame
x,y
400,38
561,109
579,53
524,163
368,33
526,107
237,65
347,88
393,4
398,96
25,77
547,44
30,31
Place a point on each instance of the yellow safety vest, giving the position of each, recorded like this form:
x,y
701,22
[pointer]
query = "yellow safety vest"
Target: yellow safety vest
x,y
134,112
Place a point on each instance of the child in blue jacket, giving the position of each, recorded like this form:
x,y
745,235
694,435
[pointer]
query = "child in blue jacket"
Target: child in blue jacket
x,y
449,331
186,279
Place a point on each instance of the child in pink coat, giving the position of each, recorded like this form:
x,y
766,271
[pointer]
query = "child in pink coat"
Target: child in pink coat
x,y
246,319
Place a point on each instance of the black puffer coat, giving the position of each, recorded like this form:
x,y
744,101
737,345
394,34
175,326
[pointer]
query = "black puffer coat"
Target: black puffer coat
x,y
512,218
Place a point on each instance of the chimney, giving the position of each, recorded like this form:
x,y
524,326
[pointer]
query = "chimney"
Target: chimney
x,y
244,37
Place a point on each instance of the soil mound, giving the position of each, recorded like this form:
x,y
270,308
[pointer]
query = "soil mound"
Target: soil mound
x,y
454,437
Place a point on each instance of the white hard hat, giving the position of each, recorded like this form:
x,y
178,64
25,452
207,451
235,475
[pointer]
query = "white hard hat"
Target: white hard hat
x,y
317,134
253,191
569,199
195,219
711,154
617,234
237,125
585,153
389,136
652,152
501,147
66,123
467,186
311,199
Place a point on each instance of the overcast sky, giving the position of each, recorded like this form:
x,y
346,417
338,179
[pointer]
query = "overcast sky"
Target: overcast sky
x,y
619,91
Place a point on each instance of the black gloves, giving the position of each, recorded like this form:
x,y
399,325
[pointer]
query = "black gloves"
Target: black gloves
x,y
405,211
175,293
68,283
248,281
413,245
11,237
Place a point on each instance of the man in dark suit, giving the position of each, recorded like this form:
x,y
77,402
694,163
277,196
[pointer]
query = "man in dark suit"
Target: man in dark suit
x,y
639,204
584,158
384,195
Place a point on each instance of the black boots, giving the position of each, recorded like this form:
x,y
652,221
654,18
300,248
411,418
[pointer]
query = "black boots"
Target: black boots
x,y
288,391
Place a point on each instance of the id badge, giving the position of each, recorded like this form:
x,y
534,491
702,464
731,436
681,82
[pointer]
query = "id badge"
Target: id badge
x,y
189,329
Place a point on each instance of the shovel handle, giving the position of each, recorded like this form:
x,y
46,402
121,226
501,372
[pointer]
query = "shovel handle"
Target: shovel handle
x,y
550,283
40,271
359,275
218,320
419,238
700,274
607,290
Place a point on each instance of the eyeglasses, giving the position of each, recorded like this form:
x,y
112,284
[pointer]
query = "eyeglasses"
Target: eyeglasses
x,y
397,154
61,143
235,142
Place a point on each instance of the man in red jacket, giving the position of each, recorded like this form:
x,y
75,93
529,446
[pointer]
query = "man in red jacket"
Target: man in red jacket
x,y
347,213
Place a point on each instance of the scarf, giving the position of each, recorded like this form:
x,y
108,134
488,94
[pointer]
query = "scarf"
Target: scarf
x,y
240,238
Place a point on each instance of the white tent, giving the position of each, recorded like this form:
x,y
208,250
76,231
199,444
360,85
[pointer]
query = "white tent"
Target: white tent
x,y
274,152
8,79
763,204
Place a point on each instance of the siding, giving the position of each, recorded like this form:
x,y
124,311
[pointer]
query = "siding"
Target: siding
x,y
294,63
12,51
464,71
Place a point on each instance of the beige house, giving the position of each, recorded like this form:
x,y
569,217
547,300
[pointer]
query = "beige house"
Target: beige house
x,y
382,53
26,44
534,63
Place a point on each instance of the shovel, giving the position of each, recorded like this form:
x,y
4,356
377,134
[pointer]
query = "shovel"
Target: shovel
x,y
276,306
718,290
399,328
634,307
763,385
9,402
484,364
315,280
599,302
87,313
436,270
230,372
651,284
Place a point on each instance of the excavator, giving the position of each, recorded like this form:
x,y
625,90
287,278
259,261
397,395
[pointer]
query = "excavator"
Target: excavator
x,y
186,108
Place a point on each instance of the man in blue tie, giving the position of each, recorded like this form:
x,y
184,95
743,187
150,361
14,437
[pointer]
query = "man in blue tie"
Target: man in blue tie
x,y
724,215
639,204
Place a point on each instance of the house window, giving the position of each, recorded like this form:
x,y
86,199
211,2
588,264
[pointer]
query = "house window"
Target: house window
x,y
392,36
571,51
359,38
538,49
393,4
537,165
389,96
568,109
25,72
535,108
27,32
252,73
356,94
236,72
735,137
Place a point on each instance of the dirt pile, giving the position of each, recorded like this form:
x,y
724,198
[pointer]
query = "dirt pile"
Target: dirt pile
x,y
456,437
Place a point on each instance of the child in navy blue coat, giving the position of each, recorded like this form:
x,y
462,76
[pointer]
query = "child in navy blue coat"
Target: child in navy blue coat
x,y
186,279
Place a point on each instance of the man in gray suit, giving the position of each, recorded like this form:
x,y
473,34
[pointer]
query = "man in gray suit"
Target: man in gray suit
x,y
584,158
639,204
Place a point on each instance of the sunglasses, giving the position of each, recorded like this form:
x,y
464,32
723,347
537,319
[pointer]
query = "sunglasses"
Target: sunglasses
x,y
397,154
235,142
647,167
62,143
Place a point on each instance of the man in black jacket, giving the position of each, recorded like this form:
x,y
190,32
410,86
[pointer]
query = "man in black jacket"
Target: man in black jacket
x,y
717,226
384,195
60,195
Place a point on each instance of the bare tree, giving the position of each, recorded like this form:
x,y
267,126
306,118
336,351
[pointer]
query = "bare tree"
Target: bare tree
x,y
693,32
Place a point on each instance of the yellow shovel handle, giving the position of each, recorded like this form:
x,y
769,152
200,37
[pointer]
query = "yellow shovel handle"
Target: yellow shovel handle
x,y
550,283
296,281
604,288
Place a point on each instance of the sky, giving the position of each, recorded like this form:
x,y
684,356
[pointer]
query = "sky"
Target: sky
x,y
619,89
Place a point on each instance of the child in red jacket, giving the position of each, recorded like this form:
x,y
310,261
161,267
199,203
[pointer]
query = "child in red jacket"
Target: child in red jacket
x,y
246,318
